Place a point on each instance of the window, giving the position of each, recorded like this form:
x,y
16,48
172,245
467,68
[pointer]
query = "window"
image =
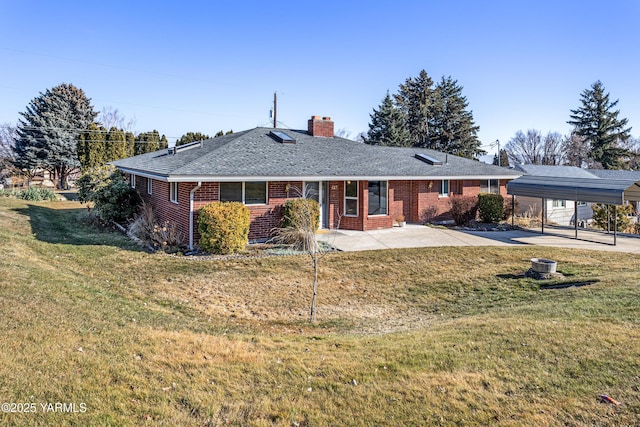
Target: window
x,y
249,193
173,192
490,186
132,180
582,203
444,188
378,197
255,193
559,203
351,198
149,186
231,192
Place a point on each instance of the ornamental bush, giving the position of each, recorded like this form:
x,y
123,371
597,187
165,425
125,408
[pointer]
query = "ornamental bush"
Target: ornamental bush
x,y
224,227
298,212
463,208
600,216
116,200
490,206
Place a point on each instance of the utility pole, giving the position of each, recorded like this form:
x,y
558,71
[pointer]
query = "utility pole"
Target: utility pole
x,y
275,108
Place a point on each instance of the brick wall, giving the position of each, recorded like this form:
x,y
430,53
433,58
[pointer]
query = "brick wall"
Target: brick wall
x,y
418,201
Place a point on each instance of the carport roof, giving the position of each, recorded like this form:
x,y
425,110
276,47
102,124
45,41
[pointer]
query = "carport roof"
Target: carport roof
x,y
608,191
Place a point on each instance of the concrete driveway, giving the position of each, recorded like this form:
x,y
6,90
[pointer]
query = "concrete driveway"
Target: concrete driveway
x,y
417,236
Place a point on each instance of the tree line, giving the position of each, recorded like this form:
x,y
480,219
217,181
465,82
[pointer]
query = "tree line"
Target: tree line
x,y
599,139
60,132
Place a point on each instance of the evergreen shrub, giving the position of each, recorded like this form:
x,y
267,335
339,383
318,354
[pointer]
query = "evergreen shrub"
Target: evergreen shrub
x,y
490,207
224,227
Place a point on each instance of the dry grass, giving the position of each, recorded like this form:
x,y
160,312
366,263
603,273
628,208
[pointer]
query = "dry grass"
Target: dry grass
x,y
435,336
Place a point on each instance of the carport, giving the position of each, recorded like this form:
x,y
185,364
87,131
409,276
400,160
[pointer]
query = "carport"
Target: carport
x,y
606,191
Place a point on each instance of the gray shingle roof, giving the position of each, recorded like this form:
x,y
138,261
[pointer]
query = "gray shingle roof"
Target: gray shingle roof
x,y
555,171
255,154
616,174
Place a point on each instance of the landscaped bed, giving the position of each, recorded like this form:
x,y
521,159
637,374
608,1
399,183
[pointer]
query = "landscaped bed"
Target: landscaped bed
x,y
432,336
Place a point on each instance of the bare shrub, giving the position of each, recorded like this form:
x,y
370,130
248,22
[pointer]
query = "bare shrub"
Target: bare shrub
x,y
463,208
145,230
428,214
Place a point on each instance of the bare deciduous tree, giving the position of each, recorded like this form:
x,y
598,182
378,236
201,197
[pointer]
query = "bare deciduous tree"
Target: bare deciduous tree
x,y
8,135
575,149
533,148
110,117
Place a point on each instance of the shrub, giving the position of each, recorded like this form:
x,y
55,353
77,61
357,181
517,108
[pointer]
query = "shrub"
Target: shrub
x,y
508,208
91,181
37,194
145,229
299,224
296,212
600,215
116,200
224,227
490,207
463,208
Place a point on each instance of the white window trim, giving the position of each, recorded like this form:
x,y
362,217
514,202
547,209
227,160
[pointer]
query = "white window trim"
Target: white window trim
x,y
352,198
387,198
149,186
132,180
266,194
173,192
440,193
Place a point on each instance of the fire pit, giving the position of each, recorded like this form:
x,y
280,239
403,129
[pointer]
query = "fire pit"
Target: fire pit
x,y
543,265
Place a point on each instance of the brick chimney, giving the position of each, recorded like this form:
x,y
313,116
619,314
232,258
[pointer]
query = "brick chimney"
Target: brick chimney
x,y
320,126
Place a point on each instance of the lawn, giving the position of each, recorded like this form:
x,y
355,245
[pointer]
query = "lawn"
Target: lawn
x,y
433,336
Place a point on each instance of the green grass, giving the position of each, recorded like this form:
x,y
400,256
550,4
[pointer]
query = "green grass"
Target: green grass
x,y
433,336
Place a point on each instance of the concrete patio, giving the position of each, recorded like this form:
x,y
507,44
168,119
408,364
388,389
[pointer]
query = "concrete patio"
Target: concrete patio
x,y
417,236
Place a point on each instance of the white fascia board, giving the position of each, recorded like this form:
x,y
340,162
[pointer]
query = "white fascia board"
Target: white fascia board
x,y
209,178
144,174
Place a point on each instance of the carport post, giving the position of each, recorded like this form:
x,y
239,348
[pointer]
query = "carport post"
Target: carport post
x,y
615,223
544,202
513,208
575,216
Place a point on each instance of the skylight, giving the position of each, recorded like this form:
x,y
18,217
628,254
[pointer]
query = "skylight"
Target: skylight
x,y
282,137
428,159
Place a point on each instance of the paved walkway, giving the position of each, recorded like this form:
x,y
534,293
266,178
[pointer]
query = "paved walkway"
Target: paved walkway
x,y
417,236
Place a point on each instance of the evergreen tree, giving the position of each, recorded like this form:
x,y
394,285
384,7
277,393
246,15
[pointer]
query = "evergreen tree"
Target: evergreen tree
x,y
415,100
147,142
116,145
190,137
504,158
596,120
452,129
50,129
92,150
131,141
387,125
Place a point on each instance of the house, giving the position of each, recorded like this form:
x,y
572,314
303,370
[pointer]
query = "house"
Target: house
x,y
558,210
358,186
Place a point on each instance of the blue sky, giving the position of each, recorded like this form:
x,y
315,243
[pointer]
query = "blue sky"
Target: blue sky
x,y
209,66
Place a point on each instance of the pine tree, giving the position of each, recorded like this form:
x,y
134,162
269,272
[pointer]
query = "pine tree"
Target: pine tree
x,y
415,100
452,129
191,137
50,129
504,158
116,145
92,150
596,120
387,125
131,141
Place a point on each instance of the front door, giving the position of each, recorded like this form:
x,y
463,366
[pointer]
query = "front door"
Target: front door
x,y
316,190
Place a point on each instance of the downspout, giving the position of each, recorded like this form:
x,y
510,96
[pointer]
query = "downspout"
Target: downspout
x,y
191,193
